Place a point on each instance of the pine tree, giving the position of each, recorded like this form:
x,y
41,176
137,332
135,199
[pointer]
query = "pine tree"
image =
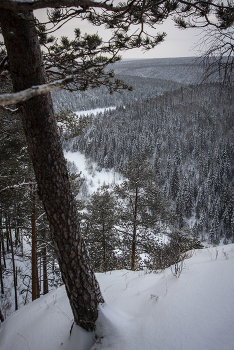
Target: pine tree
x,y
214,234
187,199
142,205
100,234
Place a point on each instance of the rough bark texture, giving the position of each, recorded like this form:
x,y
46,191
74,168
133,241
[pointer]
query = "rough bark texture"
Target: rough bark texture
x,y
50,167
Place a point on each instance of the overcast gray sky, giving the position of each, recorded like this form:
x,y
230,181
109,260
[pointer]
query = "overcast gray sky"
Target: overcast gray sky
x,y
178,43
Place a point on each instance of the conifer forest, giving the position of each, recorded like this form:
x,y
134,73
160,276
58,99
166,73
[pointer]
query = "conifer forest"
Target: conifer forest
x,y
172,140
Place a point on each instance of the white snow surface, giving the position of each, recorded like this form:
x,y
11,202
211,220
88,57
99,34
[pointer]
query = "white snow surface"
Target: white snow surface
x,y
95,178
95,111
142,311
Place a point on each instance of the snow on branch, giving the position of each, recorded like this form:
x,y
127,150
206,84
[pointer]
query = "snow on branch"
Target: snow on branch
x,y
18,186
13,98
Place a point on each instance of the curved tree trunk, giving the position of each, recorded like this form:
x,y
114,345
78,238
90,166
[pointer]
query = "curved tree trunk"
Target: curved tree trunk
x,y
44,145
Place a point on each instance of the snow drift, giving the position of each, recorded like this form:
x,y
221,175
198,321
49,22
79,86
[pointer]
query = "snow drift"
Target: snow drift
x,y
150,311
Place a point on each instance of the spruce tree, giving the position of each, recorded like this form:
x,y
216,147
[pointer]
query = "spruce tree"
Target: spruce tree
x,y
174,183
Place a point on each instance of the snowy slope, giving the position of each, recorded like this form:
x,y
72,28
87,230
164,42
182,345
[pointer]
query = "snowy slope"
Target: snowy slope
x,y
142,311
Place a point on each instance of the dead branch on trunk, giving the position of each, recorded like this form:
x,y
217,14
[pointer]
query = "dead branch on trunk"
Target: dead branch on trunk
x,y
13,98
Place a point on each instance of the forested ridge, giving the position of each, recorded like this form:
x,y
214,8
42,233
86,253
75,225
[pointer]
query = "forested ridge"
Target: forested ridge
x,y
187,134
143,87
148,78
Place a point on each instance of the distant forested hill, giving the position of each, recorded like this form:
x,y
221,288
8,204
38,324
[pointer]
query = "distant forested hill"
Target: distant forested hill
x,y
94,98
183,70
148,78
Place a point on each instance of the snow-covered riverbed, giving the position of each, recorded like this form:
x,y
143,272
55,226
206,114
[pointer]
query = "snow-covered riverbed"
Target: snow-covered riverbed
x,y
94,111
95,177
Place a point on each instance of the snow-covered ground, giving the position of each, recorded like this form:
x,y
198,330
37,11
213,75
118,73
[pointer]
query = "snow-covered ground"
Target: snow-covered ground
x,y
141,312
95,177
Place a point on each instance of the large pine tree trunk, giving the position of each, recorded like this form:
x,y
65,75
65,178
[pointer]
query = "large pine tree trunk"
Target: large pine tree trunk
x,y
42,136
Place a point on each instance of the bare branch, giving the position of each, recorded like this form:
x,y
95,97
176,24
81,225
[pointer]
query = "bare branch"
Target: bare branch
x,y
45,244
9,99
9,109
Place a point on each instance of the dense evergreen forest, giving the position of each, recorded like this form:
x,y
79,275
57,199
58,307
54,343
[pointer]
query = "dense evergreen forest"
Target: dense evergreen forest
x,y
187,133
148,78
171,138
